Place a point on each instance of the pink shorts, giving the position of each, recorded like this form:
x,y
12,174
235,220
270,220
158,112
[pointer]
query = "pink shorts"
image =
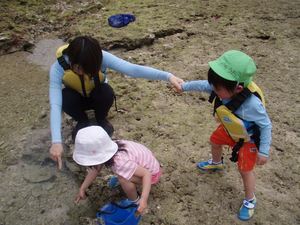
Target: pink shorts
x,y
155,178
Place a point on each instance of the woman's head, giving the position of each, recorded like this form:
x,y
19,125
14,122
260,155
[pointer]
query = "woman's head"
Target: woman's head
x,y
85,55
93,146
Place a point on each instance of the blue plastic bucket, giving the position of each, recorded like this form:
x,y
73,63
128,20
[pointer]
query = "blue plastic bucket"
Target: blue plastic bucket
x,y
118,214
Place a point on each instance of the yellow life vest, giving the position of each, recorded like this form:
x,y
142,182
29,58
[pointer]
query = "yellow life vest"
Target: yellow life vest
x,y
225,113
82,84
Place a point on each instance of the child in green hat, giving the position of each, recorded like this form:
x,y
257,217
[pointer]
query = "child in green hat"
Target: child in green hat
x,y
244,123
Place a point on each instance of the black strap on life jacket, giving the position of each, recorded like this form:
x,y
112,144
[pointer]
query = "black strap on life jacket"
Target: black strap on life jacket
x,y
238,100
116,107
213,96
97,81
256,136
233,105
239,144
235,150
61,60
83,86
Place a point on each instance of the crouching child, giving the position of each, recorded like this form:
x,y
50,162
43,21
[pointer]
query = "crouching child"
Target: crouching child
x,y
133,163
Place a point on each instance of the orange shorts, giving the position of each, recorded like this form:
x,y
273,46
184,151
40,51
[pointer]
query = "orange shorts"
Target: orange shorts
x,y
247,153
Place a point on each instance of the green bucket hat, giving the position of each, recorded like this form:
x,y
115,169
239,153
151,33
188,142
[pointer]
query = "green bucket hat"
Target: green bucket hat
x,y
235,66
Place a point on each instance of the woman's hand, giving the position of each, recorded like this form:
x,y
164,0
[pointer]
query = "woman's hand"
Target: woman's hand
x,y
56,151
176,82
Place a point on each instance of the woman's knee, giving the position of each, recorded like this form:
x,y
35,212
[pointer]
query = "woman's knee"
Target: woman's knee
x,y
70,98
104,94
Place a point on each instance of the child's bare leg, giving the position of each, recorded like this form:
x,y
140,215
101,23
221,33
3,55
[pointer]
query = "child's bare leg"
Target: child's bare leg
x,y
216,151
129,188
249,183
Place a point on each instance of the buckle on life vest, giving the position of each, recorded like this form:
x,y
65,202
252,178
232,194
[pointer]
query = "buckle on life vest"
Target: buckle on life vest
x,y
235,150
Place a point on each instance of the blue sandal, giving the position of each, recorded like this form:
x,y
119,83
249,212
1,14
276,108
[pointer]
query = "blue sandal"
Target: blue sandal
x,y
210,166
113,182
247,209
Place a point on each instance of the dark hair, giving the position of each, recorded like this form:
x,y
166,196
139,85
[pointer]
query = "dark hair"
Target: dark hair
x,y
121,147
217,81
86,52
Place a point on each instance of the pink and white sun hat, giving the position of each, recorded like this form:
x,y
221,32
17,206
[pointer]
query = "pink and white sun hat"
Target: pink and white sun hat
x,y
93,146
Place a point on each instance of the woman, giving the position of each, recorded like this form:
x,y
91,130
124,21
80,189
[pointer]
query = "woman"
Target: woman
x,y
81,66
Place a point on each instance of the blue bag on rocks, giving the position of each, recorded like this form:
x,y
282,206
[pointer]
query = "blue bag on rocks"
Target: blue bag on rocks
x,y
120,20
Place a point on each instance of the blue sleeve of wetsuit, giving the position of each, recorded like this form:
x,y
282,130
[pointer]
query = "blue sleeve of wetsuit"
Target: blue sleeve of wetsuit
x,y
133,70
197,85
55,96
109,61
254,111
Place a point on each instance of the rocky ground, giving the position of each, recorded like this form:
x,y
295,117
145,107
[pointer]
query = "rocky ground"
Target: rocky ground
x,y
176,36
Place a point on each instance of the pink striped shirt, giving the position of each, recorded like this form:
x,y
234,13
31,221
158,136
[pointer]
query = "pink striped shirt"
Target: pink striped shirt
x,y
126,162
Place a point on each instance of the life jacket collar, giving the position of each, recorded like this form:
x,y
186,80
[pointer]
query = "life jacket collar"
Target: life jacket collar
x,y
84,84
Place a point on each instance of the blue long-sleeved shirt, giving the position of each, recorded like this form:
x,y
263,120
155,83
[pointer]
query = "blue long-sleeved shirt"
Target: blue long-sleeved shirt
x,y
109,61
251,112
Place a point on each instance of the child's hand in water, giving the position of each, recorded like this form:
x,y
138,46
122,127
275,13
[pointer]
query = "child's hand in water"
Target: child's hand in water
x,y
92,173
80,196
142,209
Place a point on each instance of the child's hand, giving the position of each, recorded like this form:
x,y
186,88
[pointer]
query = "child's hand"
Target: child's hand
x,y
142,209
80,196
261,160
176,82
93,169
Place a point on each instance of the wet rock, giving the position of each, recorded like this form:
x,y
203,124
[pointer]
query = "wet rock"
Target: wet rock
x,y
38,174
